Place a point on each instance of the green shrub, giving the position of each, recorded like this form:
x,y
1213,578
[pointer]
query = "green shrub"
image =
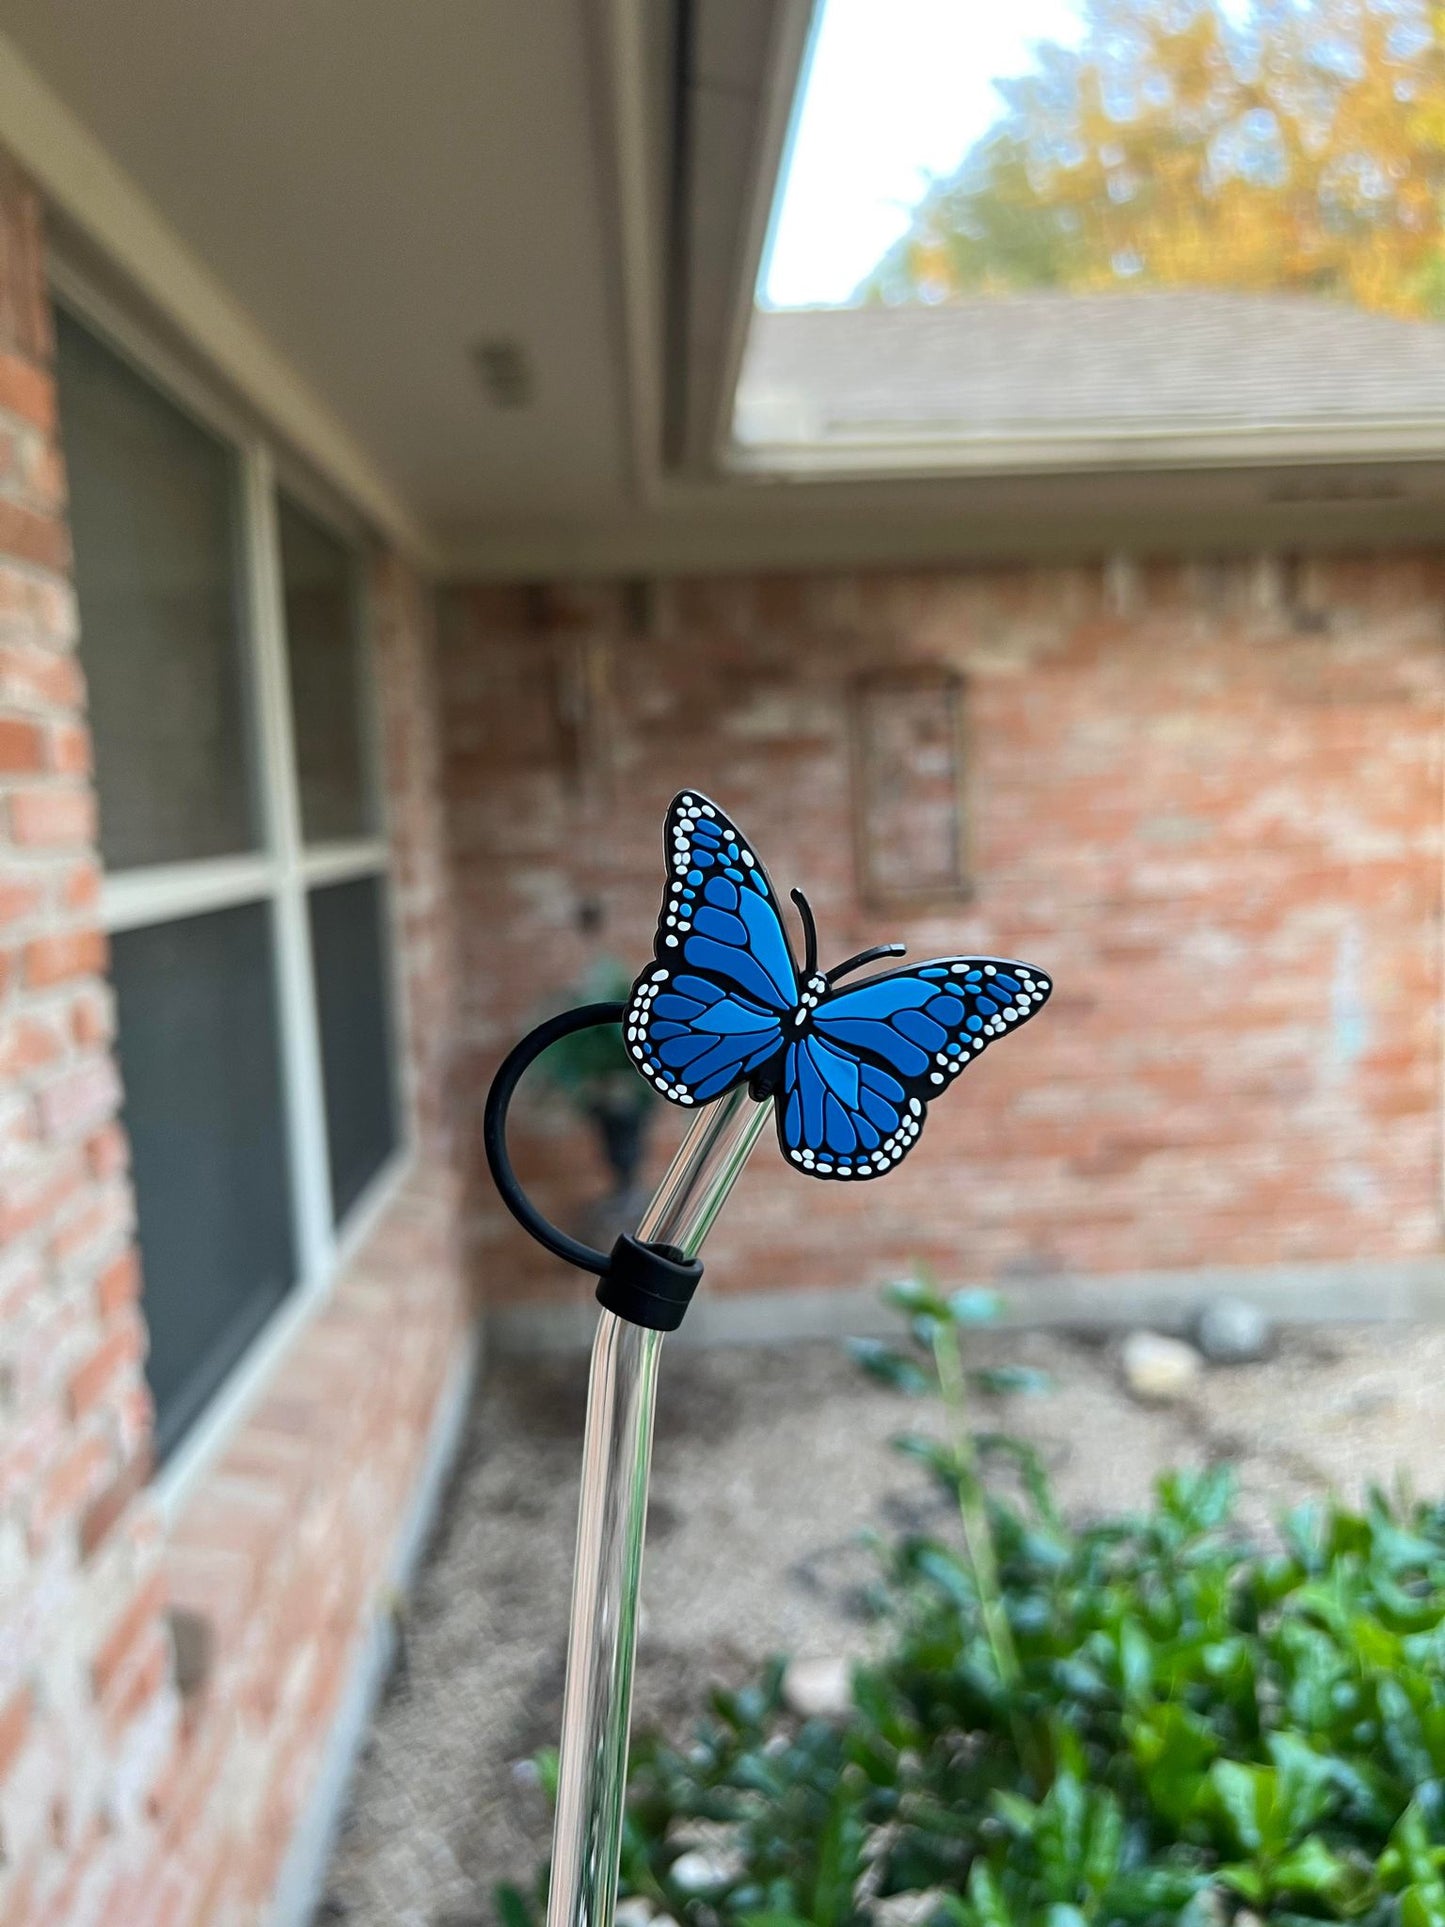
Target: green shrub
x,y
1147,1720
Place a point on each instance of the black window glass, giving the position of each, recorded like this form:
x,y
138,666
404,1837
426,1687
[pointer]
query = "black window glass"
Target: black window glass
x,y
348,945
155,517
200,1059
319,575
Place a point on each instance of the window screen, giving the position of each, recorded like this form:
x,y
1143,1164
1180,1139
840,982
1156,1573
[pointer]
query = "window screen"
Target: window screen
x,y
200,1061
154,511
356,1043
323,639
224,1036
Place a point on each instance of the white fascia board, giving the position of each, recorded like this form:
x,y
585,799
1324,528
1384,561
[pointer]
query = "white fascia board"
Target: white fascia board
x,y
76,173
923,454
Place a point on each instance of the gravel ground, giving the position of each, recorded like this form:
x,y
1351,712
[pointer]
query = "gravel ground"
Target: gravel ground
x,y
767,1465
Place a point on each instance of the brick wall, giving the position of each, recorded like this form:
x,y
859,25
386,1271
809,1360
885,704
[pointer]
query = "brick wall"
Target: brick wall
x,y
1207,797
167,1687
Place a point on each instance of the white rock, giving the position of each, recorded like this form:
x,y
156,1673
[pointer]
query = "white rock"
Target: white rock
x,y
703,1870
819,1689
636,1911
1232,1331
1159,1369
907,1910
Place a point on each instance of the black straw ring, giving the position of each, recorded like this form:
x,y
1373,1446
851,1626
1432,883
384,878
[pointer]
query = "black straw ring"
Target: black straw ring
x,y
494,1132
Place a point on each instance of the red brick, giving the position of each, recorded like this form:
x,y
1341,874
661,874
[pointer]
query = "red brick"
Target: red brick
x,y
70,750
103,1212
70,953
108,1152
27,390
33,535
81,887
105,1512
141,1680
39,677
72,1484
52,817
15,1721
119,1283
29,1197
20,897
22,747
91,1023
79,1099
127,1632
89,1384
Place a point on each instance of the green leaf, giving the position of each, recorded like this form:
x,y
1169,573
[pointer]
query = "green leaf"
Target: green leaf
x,y
1136,1662
1173,1748
1423,1906
890,1367
916,1296
840,1857
513,1908
975,1306
1246,1880
1311,1868
1245,1794
1000,1380
1304,1787
986,1897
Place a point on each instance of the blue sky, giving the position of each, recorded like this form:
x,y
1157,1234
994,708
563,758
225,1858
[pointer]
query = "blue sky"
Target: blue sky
x,y
896,93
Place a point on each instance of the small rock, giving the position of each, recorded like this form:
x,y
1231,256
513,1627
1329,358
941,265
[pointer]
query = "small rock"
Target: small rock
x,y
1159,1369
703,1870
1232,1331
908,1910
819,1689
636,1911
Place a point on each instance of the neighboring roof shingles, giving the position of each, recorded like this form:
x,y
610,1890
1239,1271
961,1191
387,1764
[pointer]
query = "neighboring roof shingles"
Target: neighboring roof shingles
x,y
1021,364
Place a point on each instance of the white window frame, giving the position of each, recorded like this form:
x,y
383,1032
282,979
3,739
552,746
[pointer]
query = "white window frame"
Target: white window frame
x,y
280,872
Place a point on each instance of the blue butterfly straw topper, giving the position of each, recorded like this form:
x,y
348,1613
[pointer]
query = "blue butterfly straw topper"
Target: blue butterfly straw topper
x,y
724,1022
851,1071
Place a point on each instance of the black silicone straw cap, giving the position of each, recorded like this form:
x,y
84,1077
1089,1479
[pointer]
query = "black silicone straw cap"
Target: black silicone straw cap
x,y
649,1285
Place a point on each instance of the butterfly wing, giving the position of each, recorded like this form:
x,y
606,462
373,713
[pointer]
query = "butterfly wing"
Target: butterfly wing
x,y
857,1085
710,1008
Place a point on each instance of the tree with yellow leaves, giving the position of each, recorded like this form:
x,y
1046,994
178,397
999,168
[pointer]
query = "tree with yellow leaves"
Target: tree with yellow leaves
x,y
1290,145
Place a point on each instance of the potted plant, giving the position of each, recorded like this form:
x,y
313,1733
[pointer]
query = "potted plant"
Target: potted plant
x,y
591,1073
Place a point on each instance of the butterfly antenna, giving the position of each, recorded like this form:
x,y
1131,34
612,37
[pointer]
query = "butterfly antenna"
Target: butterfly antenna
x,y
865,957
810,932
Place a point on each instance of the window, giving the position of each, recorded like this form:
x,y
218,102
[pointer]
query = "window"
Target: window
x,y
1067,235
223,637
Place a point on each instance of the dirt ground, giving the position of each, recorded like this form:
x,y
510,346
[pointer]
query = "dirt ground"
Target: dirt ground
x,y
767,1465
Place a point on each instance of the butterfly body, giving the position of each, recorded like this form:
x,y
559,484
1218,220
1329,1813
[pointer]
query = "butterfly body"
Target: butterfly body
x,y
851,1070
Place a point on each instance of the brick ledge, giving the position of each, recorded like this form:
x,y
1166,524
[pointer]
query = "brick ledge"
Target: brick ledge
x,y
1350,1291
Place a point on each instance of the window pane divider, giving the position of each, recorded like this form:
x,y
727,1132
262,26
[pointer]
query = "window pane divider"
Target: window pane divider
x,y
340,862
165,892
300,1038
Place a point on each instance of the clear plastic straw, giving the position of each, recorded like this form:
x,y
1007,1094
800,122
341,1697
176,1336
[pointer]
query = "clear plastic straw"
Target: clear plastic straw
x,y
616,1459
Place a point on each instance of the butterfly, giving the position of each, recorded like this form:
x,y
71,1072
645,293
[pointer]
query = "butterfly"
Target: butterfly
x,y
852,1071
